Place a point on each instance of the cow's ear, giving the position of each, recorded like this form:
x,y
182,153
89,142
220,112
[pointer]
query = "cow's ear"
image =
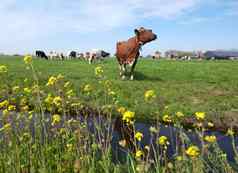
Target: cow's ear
x,y
136,32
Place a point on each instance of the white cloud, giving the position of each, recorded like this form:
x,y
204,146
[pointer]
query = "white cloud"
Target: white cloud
x,y
30,21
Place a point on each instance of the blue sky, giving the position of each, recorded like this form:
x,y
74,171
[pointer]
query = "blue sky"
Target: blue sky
x,y
63,25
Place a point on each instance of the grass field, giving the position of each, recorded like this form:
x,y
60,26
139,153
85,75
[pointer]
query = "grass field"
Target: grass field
x,y
209,86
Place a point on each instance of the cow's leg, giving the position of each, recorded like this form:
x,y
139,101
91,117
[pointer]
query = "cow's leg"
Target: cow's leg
x,y
133,64
122,68
123,71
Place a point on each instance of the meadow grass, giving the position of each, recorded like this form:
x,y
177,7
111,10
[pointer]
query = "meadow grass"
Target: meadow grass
x,y
187,86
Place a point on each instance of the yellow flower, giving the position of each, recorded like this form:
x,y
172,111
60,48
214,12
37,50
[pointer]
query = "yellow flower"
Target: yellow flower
x,y
70,93
57,101
55,119
153,130
179,158
66,85
27,90
25,108
87,88
163,140
15,88
5,112
111,93
128,116
138,136
5,127
210,124
28,59
139,154
193,151
60,77
230,132
149,95
49,99
210,139
3,104
3,69
69,147
11,108
51,81
200,115
179,114
99,71
167,119
121,110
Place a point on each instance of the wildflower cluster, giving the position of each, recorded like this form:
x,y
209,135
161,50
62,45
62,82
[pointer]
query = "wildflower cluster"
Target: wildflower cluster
x,y
3,69
150,95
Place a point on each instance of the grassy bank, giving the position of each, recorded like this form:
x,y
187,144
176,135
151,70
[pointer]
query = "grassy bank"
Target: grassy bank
x,y
209,86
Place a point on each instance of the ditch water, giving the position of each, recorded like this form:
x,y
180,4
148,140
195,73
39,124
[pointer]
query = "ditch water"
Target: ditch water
x,y
224,142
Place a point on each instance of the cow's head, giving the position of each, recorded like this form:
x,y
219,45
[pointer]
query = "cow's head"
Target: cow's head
x,y
145,35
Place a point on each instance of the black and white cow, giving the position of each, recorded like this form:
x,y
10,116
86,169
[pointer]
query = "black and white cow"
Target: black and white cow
x,y
41,54
97,54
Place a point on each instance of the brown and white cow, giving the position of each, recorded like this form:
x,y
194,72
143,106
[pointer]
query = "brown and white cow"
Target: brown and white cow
x,y
127,52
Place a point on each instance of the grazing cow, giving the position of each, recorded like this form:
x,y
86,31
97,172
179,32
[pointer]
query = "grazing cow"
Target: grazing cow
x,y
72,54
97,55
127,52
41,54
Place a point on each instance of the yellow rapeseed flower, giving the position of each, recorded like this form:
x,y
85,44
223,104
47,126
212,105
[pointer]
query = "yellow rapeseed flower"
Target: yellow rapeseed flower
x,y
3,104
153,130
51,81
57,100
11,108
210,124
200,115
139,154
5,112
128,116
179,114
179,158
138,136
5,127
121,110
70,93
193,151
149,95
3,69
210,139
230,132
15,88
87,88
163,140
55,119
99,71
27,90
67,84
167,119
60,77
28,59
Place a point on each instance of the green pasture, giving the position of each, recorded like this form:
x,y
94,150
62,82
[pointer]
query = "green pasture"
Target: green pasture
x,y
186,86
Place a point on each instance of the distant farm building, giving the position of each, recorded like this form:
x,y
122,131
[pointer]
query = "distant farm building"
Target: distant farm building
x,y
232,55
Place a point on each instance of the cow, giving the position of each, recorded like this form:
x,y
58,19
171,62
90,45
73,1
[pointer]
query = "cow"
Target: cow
x,y
72,54
127,52
41,54
97,54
